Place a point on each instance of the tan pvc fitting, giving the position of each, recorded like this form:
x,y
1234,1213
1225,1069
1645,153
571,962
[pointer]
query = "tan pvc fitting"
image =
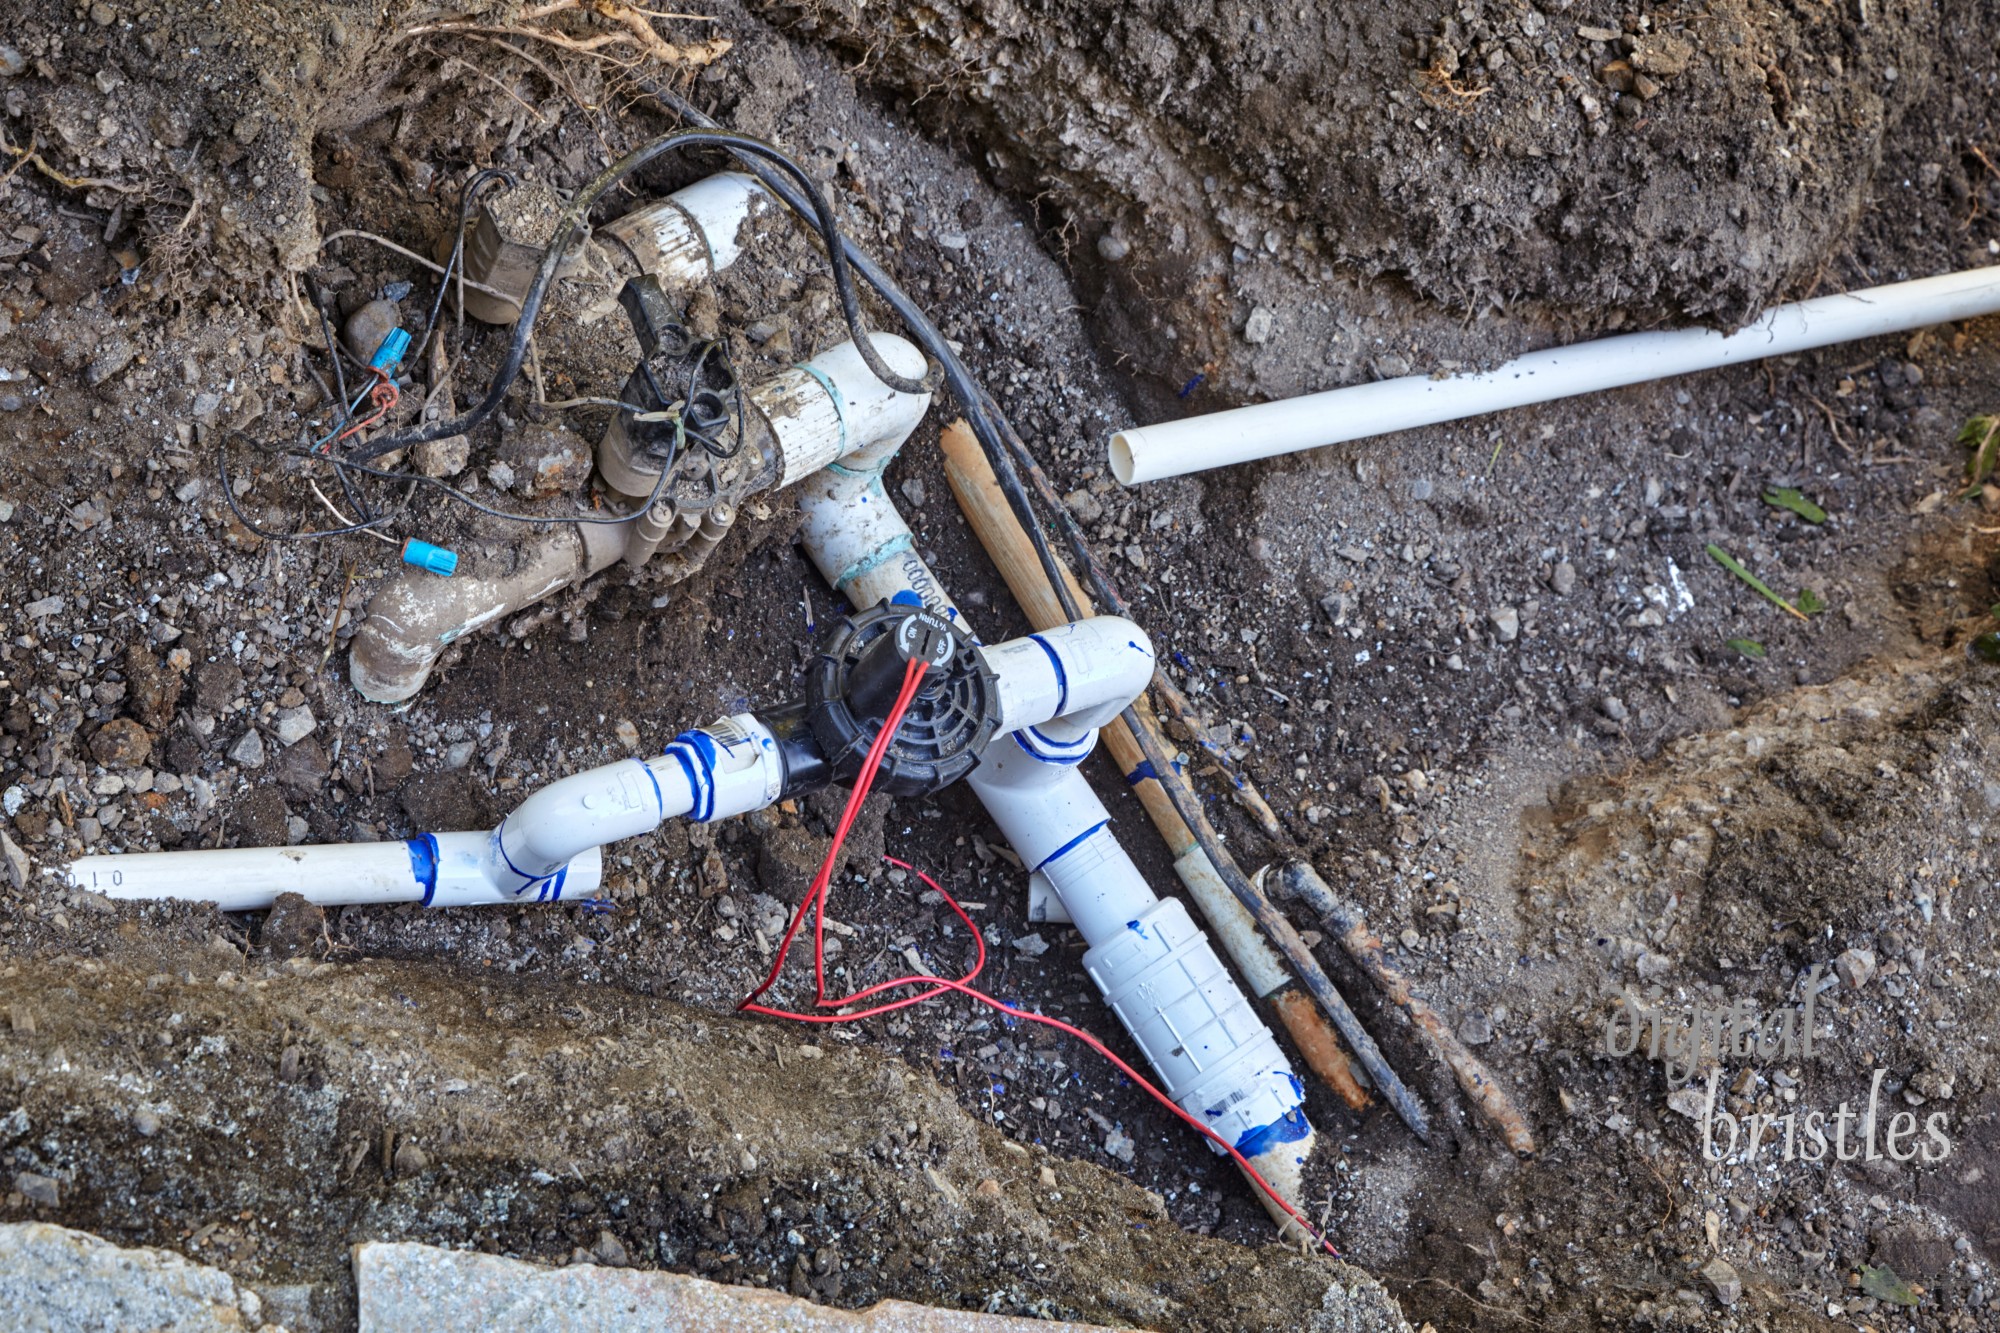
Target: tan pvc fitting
x,y
413,618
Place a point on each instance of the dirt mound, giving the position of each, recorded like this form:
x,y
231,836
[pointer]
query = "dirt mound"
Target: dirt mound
x,y
1617,167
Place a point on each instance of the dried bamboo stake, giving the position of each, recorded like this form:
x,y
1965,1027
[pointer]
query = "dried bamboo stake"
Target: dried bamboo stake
x,y
1363,946
985,508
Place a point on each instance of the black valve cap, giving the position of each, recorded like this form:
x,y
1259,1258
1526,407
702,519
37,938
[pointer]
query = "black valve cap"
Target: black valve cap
x,y
853,684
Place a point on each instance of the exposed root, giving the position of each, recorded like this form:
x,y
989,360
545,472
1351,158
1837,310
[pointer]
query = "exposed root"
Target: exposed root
x,y
31,157
1441,90
633,32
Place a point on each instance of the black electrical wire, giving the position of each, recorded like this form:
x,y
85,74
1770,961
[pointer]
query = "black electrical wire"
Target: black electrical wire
x,y
467,195
1004,449
567,228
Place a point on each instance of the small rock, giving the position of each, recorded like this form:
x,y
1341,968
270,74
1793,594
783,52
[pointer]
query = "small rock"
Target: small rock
x,y
627,733
1614,708
38,1188
294,724
103,15
145,1123
1475,1029
610,1251
1260,326
217,685
1084,505
1689,1101
1047,1177
913,491
1856,968
410,1159
303,769
546,460
249,752
44,608
500,477
1563,578
18,866
368,326
989,1187
1031,946
1506,622
121,743
1119,1144
1722,1277
1112,247
111,358
292,926
459,753
443,458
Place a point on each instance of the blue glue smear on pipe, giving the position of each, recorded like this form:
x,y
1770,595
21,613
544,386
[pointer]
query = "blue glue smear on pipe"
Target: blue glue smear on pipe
x,y
1062,677
424,864
1287,1128
1071,845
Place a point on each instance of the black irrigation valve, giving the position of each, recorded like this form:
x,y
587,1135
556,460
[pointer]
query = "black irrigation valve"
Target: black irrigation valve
x,y
853,683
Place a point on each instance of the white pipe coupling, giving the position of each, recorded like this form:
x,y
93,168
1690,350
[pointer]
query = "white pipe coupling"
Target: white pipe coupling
x,y
1082,675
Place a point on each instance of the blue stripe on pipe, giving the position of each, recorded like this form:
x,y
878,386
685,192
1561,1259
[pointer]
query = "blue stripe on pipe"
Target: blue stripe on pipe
x,y
875,559
1071,845
688,748
1287,1128
424,864
500,846
659,798
1067,753
833,392
1062,677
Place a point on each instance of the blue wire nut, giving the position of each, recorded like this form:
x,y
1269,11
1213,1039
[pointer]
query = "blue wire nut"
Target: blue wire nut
x,y
390,354
434,558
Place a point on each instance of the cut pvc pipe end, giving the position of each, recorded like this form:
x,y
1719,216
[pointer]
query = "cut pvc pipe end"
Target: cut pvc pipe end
x,y
1122,466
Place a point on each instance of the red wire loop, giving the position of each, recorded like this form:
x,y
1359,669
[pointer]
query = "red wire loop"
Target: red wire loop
x,y
815,902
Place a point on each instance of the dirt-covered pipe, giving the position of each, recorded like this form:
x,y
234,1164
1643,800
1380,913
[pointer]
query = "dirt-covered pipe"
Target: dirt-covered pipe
x,y
828,409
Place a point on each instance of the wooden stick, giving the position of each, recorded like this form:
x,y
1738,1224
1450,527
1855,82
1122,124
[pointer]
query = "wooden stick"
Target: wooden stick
x,y
1345,920
978,493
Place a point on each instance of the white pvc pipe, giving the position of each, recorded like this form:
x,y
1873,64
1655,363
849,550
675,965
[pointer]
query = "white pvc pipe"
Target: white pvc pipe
x,y
1265,430
832,408
694,233
437,870
1163,980
1084,674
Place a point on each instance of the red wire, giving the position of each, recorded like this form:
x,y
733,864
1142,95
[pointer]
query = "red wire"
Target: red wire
x,y
815,901
383,395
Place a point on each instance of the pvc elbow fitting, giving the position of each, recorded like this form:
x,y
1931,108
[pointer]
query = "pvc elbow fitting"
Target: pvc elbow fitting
x,y
1082,674
832,409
